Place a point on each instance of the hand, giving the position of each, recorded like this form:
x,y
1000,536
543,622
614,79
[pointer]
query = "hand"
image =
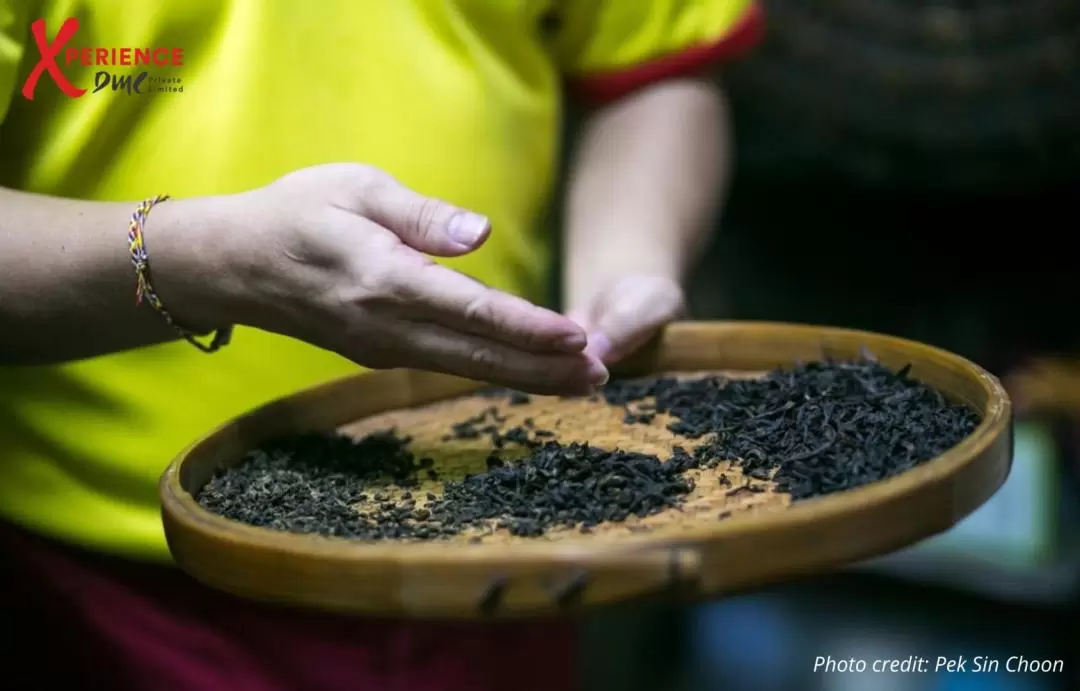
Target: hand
x,y
625,314
335,255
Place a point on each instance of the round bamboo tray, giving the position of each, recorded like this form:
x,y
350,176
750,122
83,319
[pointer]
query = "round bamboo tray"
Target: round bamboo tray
x,y
696,556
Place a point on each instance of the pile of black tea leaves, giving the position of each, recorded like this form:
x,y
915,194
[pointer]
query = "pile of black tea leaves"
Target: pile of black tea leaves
x,y
813,430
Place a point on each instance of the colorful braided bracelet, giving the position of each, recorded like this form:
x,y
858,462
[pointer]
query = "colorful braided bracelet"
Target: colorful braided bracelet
x,y
141,261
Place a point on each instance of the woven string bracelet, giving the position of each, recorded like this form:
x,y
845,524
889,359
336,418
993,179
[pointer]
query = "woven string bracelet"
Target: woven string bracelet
x,y
144,290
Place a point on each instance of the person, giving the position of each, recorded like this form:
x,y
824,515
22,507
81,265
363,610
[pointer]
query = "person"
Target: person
x,y
317,156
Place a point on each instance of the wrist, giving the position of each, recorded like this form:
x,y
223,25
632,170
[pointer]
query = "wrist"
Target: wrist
x,y
191,264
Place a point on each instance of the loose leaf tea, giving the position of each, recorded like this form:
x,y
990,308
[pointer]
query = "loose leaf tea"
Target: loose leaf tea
x,y
820,428
812,430
310,484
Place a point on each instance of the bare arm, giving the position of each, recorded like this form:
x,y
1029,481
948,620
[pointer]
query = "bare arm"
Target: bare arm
x,y
335,255
647,182
67,287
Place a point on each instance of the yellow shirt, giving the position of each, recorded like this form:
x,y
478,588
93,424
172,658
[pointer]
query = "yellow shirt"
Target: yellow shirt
x,y
459,99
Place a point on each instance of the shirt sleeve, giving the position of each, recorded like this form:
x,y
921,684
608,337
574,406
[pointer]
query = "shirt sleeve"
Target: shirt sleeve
x,y
13,31
609,48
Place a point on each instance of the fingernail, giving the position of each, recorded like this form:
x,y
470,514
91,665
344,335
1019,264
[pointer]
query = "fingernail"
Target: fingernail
x,y
572,343
598,374
599,345
466,228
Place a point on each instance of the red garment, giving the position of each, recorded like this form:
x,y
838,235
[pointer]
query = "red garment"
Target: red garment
x,y
86,622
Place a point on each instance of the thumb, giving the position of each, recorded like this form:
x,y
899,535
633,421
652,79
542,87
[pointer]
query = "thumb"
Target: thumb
x,y
428,225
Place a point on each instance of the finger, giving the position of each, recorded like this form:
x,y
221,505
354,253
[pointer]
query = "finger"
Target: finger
x,y
438,294
625,319
426,224
598,345
581,318
436,348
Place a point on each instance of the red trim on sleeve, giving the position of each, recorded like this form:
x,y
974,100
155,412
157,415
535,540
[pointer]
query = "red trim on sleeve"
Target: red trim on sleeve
x,y
605,87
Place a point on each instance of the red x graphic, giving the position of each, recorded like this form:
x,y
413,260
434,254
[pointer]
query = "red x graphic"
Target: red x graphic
x,y
48,58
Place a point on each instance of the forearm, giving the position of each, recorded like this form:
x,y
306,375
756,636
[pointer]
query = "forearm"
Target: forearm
x,y
67,286
646,184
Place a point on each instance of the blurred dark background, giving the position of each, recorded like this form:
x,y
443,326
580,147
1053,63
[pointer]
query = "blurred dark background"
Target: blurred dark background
x,y
910,167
